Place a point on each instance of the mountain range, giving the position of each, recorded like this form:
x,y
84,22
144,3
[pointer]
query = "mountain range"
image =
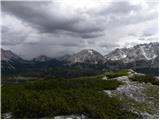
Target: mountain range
x,y
139,56
138,52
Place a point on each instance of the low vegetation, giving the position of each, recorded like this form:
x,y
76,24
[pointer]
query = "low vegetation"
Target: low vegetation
x,y
117,73
146,79
49,98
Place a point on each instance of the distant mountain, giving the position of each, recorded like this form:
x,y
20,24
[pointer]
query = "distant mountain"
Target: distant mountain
x,y
12,63
8,60
141,52
86,56
42,58
7,55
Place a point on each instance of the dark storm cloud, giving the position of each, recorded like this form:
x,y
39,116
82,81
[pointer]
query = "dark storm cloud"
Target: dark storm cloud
x,y
37,15
40,16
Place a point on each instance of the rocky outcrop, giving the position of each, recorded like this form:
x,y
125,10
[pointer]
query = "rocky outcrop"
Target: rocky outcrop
x,y
141,98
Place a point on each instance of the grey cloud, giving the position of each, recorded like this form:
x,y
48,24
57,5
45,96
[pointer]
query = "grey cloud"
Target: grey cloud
x,y
124,13
121,7
109,45
4,29
37,15
147,34
149,39
132,34
124,20
150,31
91,35
10,37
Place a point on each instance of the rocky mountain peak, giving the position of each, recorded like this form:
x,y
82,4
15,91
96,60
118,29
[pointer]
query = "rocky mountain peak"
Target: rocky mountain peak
x,y
86,56
42,58
7,55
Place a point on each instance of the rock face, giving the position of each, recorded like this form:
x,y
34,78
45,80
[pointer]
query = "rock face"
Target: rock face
x,y
145,52
7,55
86,56
42,58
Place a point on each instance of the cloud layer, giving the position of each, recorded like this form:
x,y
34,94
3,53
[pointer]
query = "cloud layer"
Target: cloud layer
x,y
56,28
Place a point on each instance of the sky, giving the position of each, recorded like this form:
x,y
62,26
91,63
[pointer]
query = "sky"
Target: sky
x,y
59,27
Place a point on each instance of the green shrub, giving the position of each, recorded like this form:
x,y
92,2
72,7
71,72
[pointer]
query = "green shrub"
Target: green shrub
x,y
145,78
117,73
49,103
49,98
76,83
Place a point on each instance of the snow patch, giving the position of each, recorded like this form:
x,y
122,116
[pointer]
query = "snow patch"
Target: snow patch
x,y
154,56
90,51
124,56
144,53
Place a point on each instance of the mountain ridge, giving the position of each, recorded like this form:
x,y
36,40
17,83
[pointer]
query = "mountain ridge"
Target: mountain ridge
x,y
145,52
89,58
8,55
42,58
